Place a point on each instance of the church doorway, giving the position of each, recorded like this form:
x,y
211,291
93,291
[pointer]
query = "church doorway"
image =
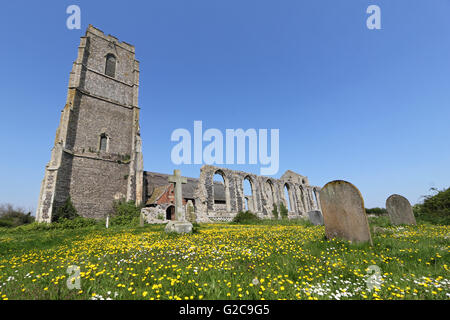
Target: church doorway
x,y
170,213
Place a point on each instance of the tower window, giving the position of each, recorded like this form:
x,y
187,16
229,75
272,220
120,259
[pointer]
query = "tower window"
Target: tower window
x,y
103,142
110,69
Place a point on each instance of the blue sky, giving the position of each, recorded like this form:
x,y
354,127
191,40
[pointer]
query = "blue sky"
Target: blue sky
x,y
368,106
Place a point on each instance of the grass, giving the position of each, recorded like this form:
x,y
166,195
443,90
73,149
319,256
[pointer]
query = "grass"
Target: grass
x,y
259,260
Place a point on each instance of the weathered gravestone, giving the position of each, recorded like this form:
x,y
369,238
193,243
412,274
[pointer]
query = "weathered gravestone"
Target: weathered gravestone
x,y
190,212
180,225
399,210
141,219
343,212
315,217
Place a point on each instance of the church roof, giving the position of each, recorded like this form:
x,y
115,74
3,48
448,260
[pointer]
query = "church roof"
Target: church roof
x,y
157,193
157,182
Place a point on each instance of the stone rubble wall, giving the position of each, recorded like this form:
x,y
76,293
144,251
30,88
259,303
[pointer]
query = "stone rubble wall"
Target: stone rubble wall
x,y
155,215
266,192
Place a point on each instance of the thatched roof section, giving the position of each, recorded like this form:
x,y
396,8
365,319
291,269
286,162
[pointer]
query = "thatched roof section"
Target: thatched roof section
x,y
157,193
157,184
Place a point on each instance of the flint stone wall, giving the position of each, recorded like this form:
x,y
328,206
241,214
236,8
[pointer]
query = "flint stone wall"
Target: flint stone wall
x,y
96,105
267,192
157,214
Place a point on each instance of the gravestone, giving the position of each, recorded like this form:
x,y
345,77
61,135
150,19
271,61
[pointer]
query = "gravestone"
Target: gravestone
x,y
315,217
180,225
190,212
107,221
343,212
141,219
399,210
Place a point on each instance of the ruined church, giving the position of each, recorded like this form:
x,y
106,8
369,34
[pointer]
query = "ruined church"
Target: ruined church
x,y
97,154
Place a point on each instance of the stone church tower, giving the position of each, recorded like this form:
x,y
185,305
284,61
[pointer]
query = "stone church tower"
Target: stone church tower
x,y
97,156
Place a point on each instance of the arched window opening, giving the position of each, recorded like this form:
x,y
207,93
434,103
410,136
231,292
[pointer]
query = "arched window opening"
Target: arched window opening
x,y
221,193
219,189
103,142
247,205
110,68
287,197
248,195
170,213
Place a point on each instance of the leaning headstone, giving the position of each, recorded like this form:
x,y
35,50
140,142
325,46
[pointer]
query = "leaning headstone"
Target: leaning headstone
x,y
315,217
180,225
141,219
190,212
399,210
343,212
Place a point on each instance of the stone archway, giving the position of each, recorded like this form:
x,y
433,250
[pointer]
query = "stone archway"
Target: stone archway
x,y
288,197
170,213
315,200
226,190
250,195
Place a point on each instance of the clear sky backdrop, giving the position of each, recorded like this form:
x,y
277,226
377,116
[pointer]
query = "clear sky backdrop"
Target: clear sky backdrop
x,y
370,107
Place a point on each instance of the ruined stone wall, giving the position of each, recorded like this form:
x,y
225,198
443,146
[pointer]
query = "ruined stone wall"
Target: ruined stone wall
x,y
266,193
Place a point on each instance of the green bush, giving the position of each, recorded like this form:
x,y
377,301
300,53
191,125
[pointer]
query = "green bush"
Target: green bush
x,y
11,216
245,217
66,211
124,221
6,223
35,226
126,208
438,203
283,211
275,212
195,227
378,211
62,224
125,213
435,208
75,223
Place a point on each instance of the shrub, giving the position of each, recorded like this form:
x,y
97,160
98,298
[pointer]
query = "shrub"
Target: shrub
x,y
11,217
62,224
35,226
439,202
66,211
245,217
283,211
126,208
75,223
378,211
6,223
125,213
435,207
275,212
195,227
